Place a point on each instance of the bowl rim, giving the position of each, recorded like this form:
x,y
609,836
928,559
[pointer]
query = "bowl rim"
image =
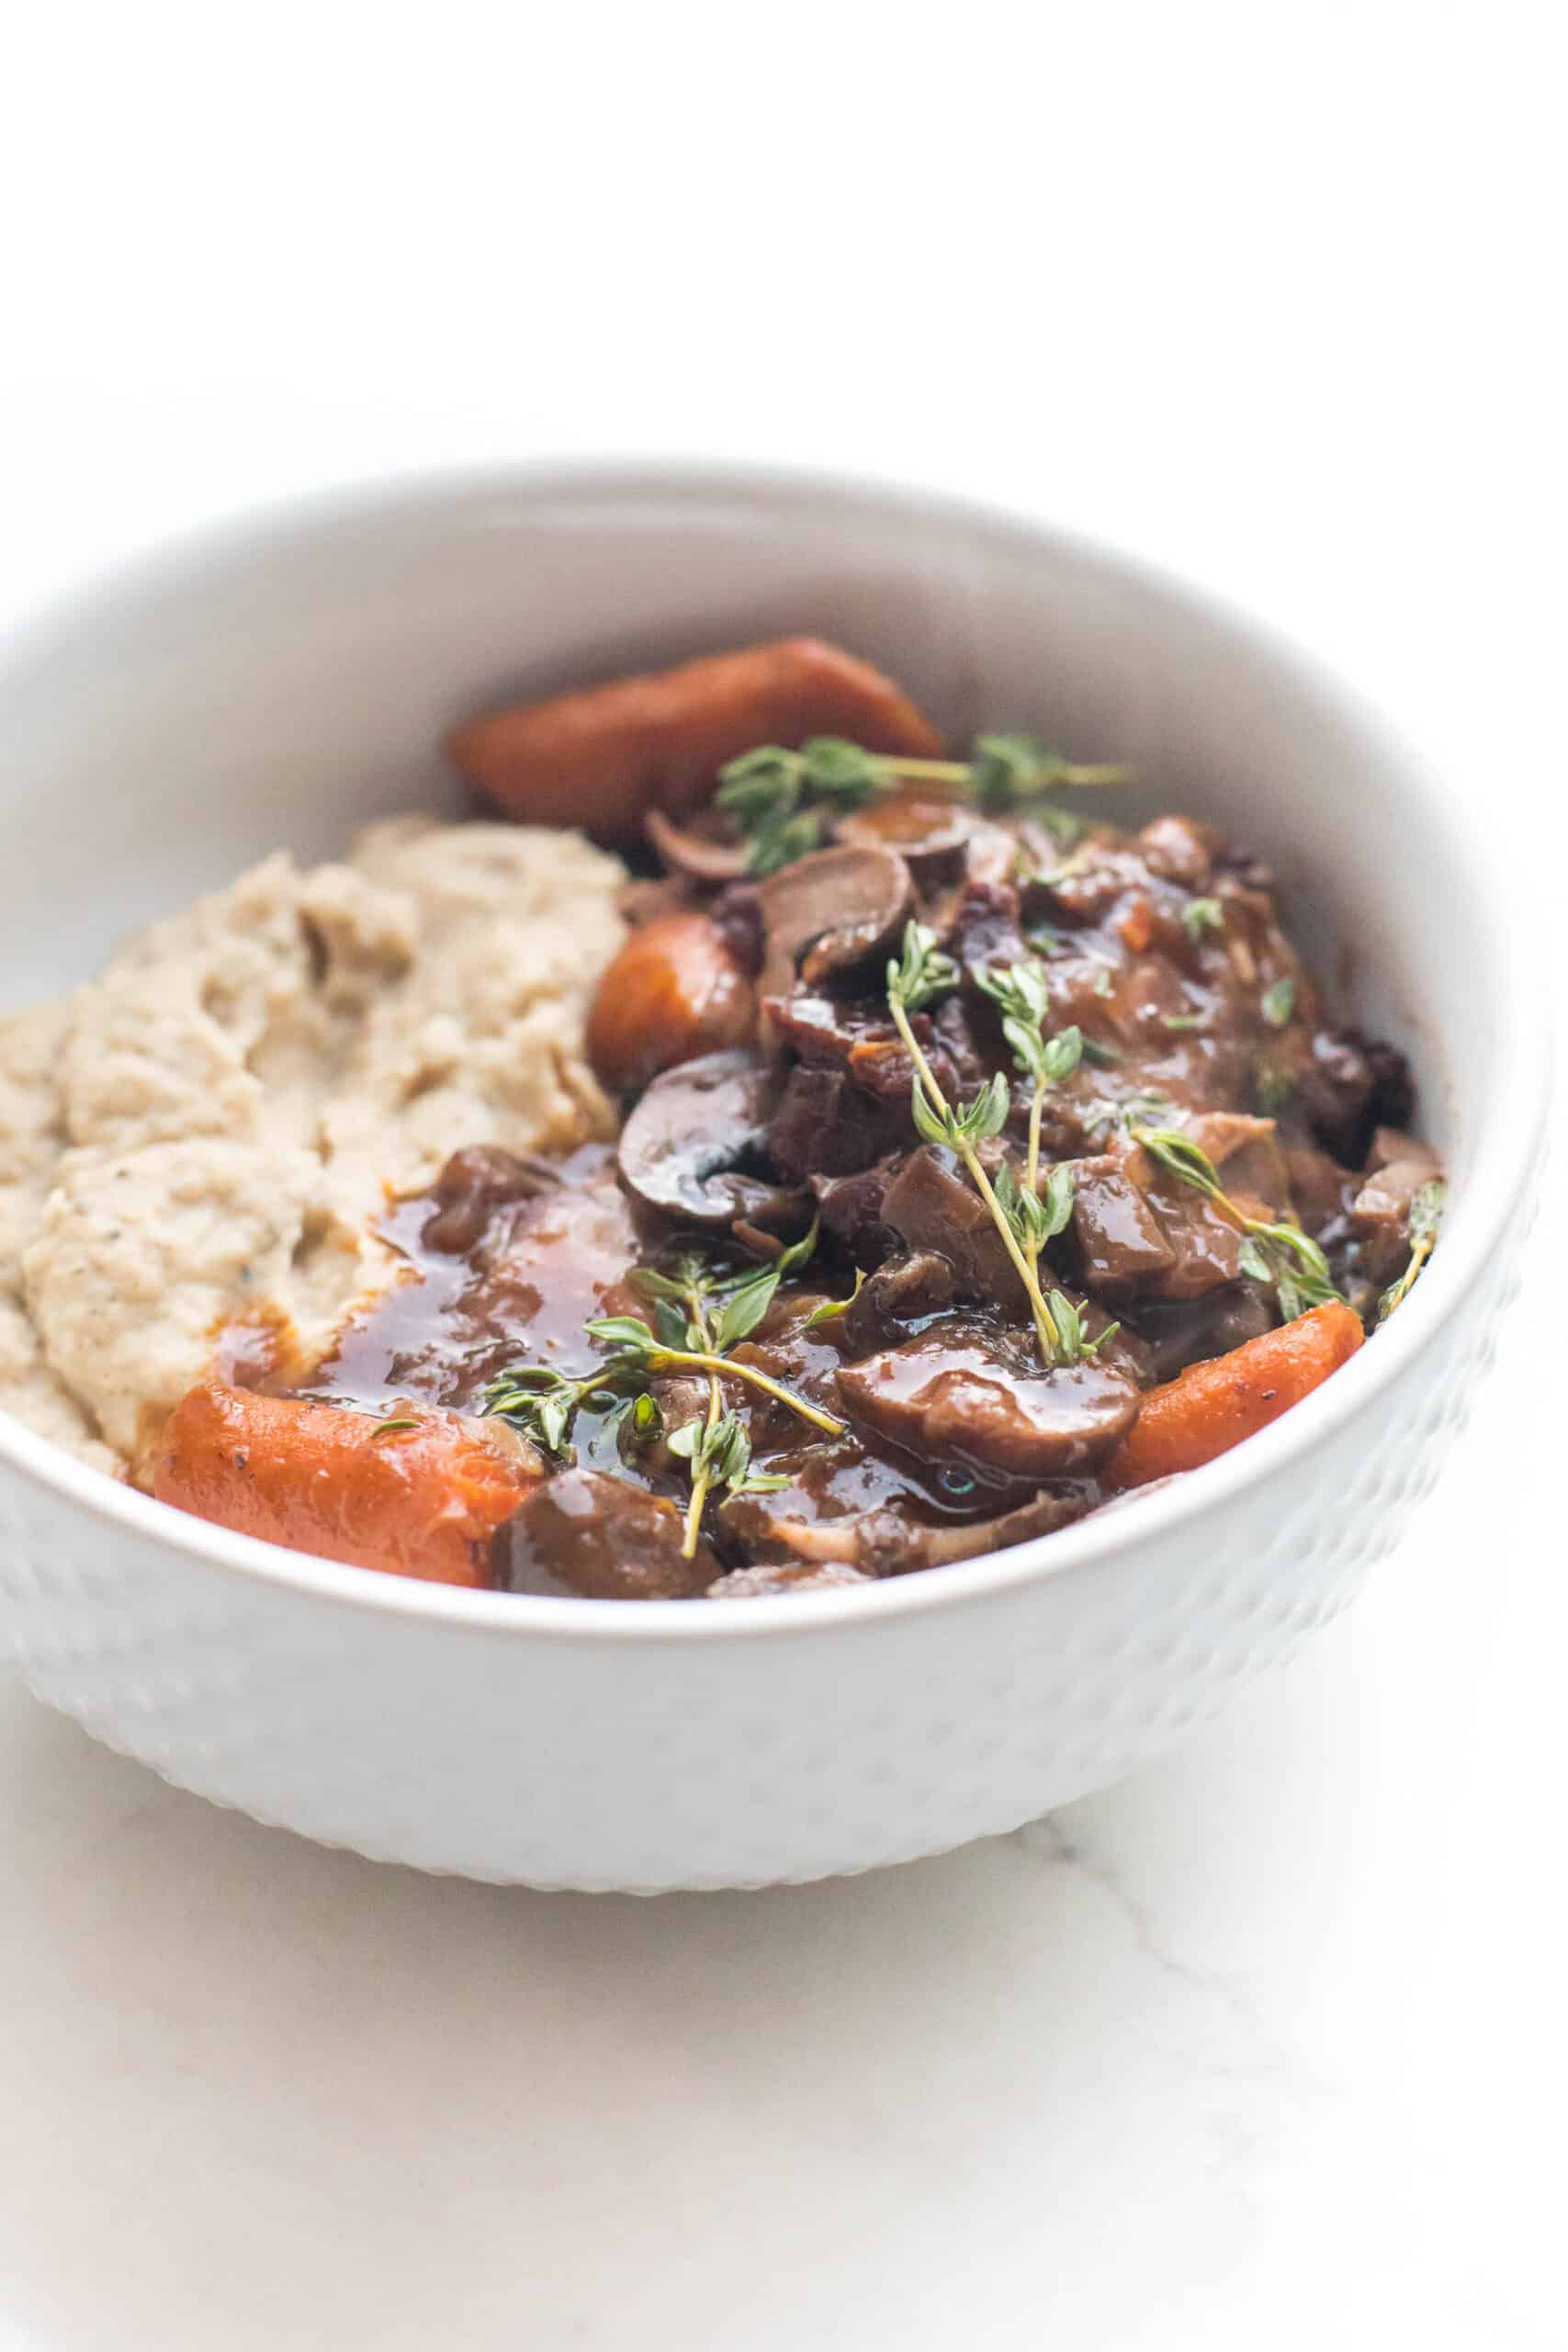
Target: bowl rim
x,y
1503,1156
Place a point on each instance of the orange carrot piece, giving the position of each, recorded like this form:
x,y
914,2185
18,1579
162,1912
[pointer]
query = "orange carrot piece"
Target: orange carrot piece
x,y
602,757
1211,1407
416,1503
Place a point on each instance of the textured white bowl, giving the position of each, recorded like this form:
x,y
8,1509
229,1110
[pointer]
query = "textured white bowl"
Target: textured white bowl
x,y
280,681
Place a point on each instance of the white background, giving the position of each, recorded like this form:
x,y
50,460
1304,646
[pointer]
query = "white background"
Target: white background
x,y
1266,2046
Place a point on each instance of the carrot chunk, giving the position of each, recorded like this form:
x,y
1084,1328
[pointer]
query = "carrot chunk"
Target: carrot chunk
x,y
422,1501
1211,1407
603,757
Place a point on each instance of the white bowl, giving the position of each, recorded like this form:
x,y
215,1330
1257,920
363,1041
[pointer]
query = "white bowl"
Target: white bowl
x,y
278,681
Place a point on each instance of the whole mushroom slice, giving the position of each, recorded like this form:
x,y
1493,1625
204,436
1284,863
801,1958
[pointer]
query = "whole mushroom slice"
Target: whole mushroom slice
x,y
832,914
955,1395
941,843
703,858
683,1148
881,1543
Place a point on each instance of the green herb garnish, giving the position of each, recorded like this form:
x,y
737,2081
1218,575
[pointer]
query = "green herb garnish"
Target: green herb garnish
x,y
1145,1108
1281,1256
914,977
1022,995
831,1308
784,801
698,1309
700,1313
1427,1206
1199,915
720,1456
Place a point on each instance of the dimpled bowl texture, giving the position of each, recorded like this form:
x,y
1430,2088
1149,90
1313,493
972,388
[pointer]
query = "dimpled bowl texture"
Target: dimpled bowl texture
x,y
281,681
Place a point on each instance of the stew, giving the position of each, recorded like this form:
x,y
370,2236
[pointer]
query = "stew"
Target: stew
x,y
980,1160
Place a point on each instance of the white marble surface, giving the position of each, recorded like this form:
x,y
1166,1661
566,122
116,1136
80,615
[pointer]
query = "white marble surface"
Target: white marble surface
x,y
1267,2046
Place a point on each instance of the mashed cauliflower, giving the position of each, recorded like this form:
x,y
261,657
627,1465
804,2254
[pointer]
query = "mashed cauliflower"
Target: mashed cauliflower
x,y
209,1129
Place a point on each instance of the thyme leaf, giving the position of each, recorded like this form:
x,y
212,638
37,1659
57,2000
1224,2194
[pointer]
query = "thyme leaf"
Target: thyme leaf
x,y
1426,1207
1280,1256
782,800
831,1308
699,1312
936,1120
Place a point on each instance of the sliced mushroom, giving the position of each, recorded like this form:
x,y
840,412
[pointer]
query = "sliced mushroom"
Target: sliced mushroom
x,y
684,1145
883,1542
832,913
940,841
957,1393
684,850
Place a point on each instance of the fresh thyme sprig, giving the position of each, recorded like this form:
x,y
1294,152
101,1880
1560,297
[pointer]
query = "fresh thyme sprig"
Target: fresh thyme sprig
x,y
915,977
720,1455
1021,993
636,1349
720,1310
1145,1107
784,801
1426,1219
700,1313
541,1402
1282,1257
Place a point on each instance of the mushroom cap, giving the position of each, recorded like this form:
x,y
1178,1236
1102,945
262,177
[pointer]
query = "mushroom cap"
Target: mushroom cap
x,y
831,912
682,1149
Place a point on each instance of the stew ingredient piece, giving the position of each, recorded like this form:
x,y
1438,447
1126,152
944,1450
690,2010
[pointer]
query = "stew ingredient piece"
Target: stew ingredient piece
x,y
604,757
415,1493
